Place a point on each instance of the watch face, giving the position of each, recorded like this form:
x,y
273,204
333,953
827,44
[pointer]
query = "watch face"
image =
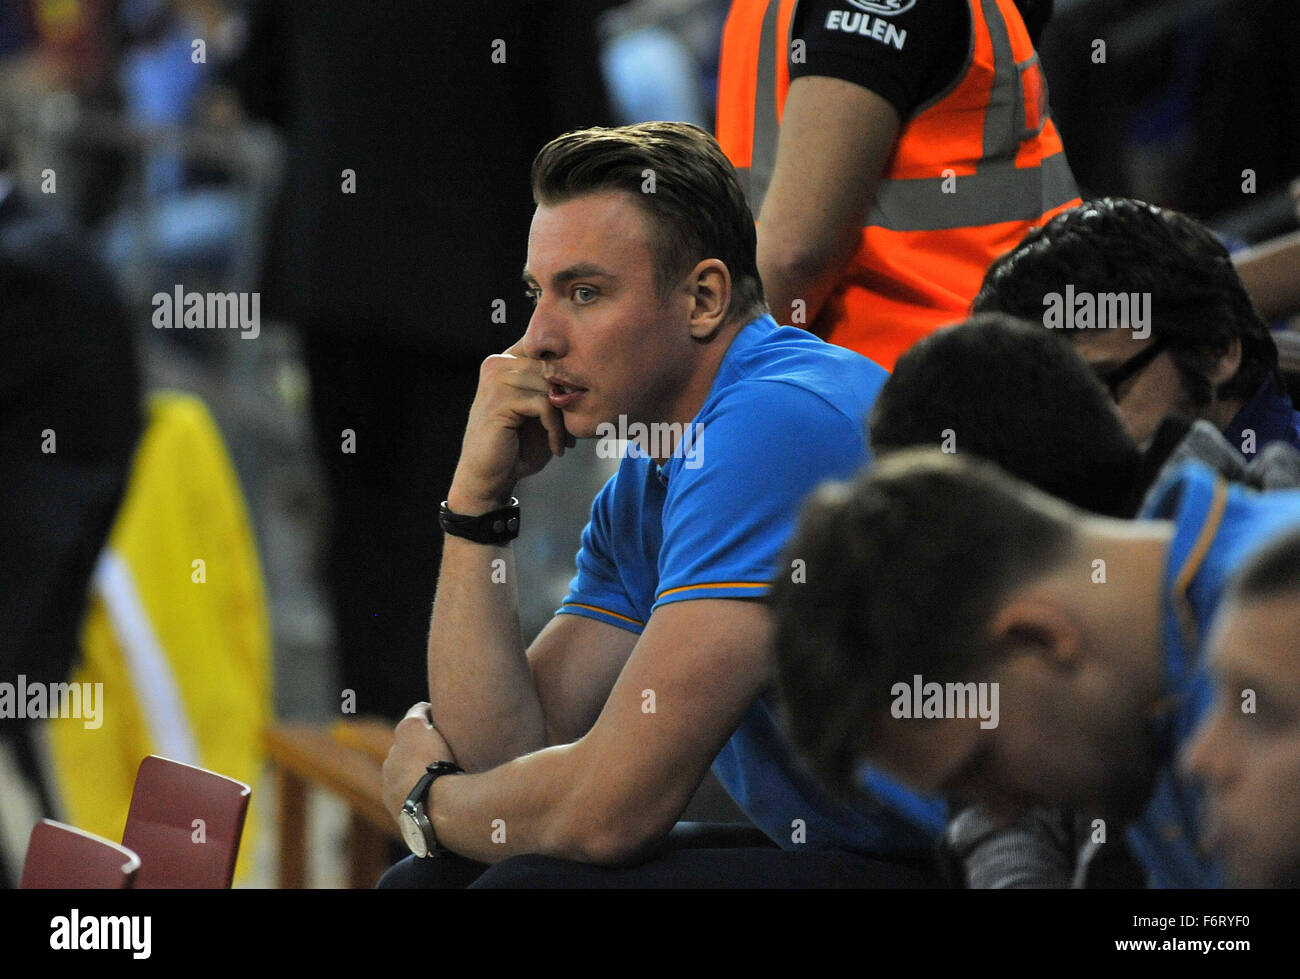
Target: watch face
x,y
415,840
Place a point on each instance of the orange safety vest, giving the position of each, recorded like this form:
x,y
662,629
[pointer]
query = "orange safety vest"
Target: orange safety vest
x,y
972,172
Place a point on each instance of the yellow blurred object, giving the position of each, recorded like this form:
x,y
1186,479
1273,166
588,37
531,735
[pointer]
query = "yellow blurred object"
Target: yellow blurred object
x,y
177,630
57,20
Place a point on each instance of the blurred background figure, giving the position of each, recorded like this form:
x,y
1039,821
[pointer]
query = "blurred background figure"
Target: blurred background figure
x,y
172,53
660,57
397,250
69,422
1173,102
63,458
59,57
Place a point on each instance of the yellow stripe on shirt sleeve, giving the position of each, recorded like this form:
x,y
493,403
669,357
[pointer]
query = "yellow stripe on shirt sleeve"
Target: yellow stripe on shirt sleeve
x,y
603,611
716,584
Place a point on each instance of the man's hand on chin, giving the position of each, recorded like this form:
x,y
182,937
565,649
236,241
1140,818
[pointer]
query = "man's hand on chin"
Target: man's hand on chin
x,y
512,432
417,744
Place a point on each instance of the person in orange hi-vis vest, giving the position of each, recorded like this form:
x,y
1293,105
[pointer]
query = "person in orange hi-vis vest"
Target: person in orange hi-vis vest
x,y
891,151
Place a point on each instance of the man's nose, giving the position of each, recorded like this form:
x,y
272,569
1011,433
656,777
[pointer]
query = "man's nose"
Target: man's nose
x,y
545,338
1206,756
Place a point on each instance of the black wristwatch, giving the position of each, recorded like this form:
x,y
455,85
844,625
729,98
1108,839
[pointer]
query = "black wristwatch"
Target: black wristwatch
x,y
417,830
495,527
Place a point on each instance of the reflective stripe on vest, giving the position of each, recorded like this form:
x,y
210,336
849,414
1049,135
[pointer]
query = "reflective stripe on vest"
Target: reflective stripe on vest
x,y
756,178
998,191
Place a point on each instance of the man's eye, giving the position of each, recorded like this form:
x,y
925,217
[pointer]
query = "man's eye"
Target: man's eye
x,y
584,294
533,295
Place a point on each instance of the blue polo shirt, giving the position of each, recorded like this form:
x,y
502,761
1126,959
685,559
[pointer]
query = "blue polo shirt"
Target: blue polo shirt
x,y
785,413
1269,416
1217,526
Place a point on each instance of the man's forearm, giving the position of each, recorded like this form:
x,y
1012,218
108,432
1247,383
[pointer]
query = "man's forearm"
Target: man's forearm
x,y
605,796
835,139
533,804
481,691
798,284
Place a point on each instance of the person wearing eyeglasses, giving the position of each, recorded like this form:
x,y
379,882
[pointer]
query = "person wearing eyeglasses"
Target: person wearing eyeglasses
x,y
1007,391
1194,345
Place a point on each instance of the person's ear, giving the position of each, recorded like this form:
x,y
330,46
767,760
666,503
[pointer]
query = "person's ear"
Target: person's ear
x,y
1226,365
710,286
1033,624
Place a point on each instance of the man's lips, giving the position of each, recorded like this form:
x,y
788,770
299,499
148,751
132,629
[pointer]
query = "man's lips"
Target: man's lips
x,y
563,395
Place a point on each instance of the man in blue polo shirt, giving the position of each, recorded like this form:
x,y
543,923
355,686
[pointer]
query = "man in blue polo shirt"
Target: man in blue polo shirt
x,y
583,749
938,583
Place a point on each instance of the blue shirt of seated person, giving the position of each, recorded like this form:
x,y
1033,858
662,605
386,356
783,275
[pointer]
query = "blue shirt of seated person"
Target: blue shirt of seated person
x,y
785,413
1217,526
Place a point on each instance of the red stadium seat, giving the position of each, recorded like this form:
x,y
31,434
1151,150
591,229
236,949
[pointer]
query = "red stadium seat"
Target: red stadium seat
x,y
186,824
62,856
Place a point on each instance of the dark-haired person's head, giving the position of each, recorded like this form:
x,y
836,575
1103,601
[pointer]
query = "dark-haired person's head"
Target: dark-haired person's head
x,y
1247,750
684,185
1011,392
941,569
1151,300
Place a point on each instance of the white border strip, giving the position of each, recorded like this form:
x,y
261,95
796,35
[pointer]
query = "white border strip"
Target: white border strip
x,y
155,685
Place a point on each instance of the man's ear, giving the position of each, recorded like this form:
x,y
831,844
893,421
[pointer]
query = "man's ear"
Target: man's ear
x,y
1226,365
1032,623
710,285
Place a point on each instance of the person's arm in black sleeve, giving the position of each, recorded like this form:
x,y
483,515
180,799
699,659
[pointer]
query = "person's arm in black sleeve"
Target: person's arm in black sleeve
x,y
853,86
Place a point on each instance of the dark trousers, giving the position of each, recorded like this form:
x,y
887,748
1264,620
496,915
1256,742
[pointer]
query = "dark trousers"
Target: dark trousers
x,y
694,855
406,404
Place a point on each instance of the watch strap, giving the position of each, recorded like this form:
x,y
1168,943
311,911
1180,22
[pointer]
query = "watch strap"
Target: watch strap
x,y
415,801
495,527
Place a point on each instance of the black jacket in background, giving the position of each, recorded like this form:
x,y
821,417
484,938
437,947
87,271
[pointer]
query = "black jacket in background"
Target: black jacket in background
x,y
66,364
406,94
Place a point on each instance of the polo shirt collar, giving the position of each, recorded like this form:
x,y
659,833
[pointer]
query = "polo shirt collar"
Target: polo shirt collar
x,y
1195,498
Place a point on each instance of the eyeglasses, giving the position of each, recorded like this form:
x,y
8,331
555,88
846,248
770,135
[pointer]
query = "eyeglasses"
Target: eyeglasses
x,y
1130,368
